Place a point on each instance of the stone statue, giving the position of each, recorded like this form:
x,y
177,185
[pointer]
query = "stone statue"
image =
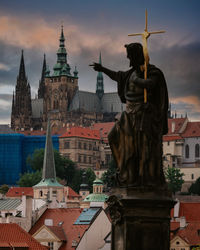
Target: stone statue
x,y
136,139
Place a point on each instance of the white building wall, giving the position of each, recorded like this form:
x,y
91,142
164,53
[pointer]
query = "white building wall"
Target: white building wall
x,y
93,239
169,147
191,142
190,174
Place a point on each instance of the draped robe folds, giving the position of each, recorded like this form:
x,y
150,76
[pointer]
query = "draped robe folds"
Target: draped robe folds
x,y
136,139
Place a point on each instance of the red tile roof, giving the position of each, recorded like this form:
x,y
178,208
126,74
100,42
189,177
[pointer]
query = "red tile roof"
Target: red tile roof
x,y
58,231
190,210
178,125
192,130
174,225
54,131
19,191
68,216
34,132
14,235
104,129
191,233
172,137
71,193
82,132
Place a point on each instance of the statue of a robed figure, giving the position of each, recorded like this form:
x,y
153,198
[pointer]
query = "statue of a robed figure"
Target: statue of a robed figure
x,y
140,203
136,139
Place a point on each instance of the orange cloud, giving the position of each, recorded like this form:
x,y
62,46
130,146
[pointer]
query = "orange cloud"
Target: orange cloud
x,y
27,33
190,102
38,33
193,100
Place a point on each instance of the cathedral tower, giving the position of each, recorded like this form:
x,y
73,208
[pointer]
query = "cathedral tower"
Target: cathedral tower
x,y
21,105
60,88
100,85
41,89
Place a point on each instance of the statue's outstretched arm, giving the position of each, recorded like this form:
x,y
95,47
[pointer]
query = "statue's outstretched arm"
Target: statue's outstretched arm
x,y
112,74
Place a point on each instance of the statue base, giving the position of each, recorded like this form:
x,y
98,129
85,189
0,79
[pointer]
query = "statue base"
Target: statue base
x,y
140,218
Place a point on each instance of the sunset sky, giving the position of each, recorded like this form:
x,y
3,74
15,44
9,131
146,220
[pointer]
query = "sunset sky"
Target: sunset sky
x,y
94,26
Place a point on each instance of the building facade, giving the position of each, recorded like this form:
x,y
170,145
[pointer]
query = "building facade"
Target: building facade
x,y
82,146
181,149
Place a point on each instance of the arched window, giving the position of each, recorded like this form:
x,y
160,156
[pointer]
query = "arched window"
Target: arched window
x,y
41,193
187,151
55,104
197,150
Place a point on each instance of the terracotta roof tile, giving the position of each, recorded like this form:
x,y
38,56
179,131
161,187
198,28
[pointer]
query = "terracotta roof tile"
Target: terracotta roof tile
x,y
172,137
192,130
191,233
68,216
19,191
82,132
34,132
190,210
178,125
14,235
174,225
72,193
104,129
58,231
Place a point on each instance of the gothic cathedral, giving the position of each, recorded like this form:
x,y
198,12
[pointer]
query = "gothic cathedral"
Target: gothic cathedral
x,y
59,98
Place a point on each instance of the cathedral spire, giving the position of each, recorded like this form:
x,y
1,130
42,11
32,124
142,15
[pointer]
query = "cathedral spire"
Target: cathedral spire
x,y
42,80
99,84
22,73
44,67
61,67
62,38
22,116
13,104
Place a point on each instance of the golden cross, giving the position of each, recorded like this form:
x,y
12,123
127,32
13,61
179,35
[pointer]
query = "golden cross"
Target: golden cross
x,y
145,35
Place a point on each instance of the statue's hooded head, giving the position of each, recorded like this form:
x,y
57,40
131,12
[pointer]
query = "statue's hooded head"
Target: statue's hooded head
x,y
135,54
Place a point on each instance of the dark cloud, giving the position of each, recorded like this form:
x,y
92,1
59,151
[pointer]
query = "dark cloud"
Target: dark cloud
x,y
181,65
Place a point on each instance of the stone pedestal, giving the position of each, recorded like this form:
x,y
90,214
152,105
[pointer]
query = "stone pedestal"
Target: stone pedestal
x,y
140,219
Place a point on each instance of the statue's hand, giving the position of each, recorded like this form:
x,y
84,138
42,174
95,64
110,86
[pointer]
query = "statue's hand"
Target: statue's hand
x,y
96,66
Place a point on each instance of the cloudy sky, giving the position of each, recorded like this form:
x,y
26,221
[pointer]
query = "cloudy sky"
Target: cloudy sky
x,y
92,26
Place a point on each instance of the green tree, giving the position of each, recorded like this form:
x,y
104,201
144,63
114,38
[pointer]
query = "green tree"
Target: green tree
x,y
30,179
108,177
4,189
195,187
65,168
77,180
36,160
174,178
90,176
